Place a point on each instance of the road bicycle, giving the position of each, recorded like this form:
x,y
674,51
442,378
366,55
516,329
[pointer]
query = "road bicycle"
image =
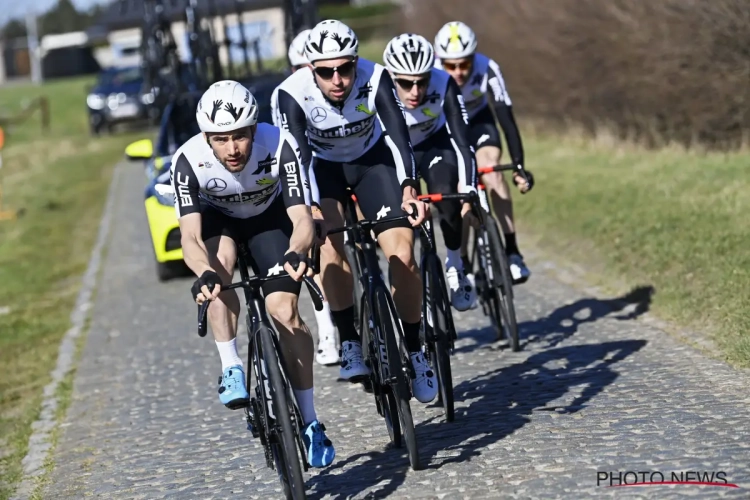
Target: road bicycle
x,y
272,412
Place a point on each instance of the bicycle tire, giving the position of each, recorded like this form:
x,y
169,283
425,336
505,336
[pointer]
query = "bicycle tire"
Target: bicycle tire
x,y
505,288
350,250
285,452
443,322
386,316
386,405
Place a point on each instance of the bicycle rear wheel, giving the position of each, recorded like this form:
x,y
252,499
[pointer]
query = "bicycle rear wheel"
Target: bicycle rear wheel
x,y
283,440
503,286
399,385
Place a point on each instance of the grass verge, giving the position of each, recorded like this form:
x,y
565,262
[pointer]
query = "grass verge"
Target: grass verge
x,y
58,182
672,219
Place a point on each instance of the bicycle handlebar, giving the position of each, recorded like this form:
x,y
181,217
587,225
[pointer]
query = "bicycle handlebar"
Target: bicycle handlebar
x,y
257,281
367,224
497,168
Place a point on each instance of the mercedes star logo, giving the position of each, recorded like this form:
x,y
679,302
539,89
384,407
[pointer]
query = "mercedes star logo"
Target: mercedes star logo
x,y
215,185
318,115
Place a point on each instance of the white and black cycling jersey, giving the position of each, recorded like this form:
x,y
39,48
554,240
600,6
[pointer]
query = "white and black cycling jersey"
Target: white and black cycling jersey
x,y
443,106
346,131
487,79
485,75
273,169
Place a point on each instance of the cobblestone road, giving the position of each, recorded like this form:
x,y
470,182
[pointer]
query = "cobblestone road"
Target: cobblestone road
x,y
593,389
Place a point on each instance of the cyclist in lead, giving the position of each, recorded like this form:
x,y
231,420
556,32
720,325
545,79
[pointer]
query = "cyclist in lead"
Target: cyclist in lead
x,y
242,180
439,132
480,78
349,123
327,352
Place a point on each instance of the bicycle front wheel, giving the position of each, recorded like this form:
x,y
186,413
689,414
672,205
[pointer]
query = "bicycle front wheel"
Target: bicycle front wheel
x,y
503,285
283,440
443,333
399,384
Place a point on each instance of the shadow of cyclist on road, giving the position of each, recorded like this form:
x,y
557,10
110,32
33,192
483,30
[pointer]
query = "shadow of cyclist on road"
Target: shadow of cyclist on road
x,y
564,321
563,380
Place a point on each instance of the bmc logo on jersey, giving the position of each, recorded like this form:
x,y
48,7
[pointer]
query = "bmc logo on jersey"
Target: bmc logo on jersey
x,y
183,191
292,179
359,127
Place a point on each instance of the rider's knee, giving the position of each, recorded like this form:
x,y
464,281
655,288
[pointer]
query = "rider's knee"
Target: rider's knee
x,y
399,248
282,306
333,249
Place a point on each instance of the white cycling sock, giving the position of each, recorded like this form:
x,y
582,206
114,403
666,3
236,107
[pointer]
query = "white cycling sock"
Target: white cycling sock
x,y
325,322
453,259
228,353
306,404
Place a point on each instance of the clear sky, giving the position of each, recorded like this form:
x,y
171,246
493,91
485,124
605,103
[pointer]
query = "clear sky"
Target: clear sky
x,y
14,8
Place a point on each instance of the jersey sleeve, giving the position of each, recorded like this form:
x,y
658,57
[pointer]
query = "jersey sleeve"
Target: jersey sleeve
x,y
295,187
292,119
275,107
504,112
457,124
391,115
186,187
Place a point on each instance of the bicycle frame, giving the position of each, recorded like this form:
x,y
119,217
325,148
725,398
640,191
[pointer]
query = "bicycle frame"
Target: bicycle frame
x,y
372,281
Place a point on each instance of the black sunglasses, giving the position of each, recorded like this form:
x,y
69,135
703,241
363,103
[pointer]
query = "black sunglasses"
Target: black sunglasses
x,y
409,84
345,70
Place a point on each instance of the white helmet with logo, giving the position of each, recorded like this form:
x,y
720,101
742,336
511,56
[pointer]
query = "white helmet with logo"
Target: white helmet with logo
x,y
409,54
226,106
455,40
331,39
297,49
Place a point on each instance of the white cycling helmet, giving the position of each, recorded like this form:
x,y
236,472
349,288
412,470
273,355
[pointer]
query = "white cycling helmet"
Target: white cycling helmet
x,y
226,106
454,41
331,39
297,49
409,54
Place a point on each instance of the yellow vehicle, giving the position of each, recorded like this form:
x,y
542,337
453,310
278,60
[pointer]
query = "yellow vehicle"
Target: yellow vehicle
x,y
177,126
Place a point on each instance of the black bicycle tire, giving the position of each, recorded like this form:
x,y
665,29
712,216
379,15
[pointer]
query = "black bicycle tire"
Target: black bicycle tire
x,y
283,418
395,365
441,342
350,251
386,404
506,283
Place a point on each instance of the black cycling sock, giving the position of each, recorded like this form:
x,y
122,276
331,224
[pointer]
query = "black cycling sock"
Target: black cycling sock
x,y
511,246
411,333
344,321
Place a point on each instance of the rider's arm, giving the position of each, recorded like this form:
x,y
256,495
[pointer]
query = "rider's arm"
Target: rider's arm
x,y
504,112
292,119
390,111
457,123
296,193
186,187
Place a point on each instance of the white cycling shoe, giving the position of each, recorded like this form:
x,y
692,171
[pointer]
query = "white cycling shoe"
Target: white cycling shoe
x,y
518,270
328,352
425,385
353,367
463,293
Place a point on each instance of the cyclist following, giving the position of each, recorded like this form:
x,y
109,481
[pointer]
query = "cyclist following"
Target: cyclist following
x,y
439,132
242,180
327,352
354,122
480,77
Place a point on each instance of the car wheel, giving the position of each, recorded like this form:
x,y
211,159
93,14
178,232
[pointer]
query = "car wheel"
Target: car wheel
x,y
165,271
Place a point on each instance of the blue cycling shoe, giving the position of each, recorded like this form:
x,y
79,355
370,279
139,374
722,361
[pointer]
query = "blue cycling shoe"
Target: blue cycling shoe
x,y
320,450
232,392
